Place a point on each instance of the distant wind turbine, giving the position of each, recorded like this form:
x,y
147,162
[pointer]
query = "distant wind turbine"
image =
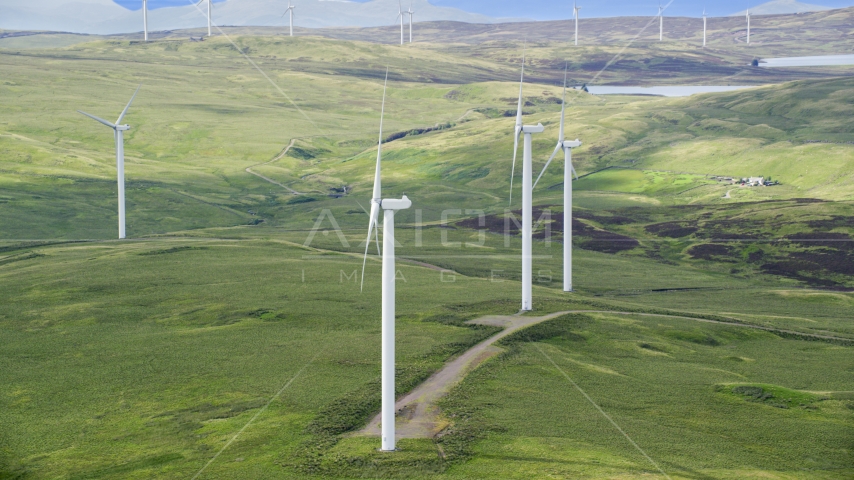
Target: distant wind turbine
x,y
748,25
145,19
568,171
660,23
290,10
704,27
527,199
209,14
410,13
575,9
119,130
400,14
389,207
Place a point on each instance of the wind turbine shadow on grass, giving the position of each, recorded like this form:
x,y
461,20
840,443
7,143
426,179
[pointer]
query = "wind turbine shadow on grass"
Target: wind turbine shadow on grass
x,y
119,130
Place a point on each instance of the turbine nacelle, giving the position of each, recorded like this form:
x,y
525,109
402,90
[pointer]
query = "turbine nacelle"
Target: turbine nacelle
x,y
395,204
538,128
571,144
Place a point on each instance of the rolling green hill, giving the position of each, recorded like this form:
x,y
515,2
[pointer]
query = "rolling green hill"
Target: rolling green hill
x,y
230,330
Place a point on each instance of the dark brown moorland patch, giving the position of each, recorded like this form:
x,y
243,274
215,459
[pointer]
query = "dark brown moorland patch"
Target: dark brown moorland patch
x,y
671,229
713,252
586,236
836,241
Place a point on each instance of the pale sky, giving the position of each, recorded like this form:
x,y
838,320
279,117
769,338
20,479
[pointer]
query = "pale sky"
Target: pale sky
x,y
558,9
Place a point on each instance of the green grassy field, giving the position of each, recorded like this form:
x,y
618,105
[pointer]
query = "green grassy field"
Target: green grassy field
x,y
219,320
659,380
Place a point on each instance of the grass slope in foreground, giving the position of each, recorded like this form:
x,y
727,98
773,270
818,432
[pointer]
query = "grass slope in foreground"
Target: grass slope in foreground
x,y
674,388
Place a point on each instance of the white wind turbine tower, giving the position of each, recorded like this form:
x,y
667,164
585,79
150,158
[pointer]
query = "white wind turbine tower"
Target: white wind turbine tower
x,y
575,9
400,14
568,172
120,157
527,177
410,13
660,23
748,25
145,19
704,27
209,14
389,207
290,10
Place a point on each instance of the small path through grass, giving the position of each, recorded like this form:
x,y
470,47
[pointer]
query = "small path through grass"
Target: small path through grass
x,y
275,159
418,415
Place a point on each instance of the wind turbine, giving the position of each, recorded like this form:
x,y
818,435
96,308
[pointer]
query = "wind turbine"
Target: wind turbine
x,y
410,12
120,156
400,14
145,19
575,9
748,25
389,207
527,177
660,23
568,171
704,27
209,14
290,10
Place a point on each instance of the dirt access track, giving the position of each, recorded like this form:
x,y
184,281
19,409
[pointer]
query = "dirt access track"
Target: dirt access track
x,y
417,414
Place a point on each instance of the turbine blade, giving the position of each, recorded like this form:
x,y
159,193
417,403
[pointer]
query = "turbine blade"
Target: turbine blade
x,y
573,170
111,125
377,192
513,168
563,104
382,111
557,149
519,106
377,233
518,128
371,223
125,111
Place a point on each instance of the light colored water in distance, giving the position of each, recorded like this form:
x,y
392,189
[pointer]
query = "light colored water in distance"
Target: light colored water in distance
x,y
815,61
665,91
